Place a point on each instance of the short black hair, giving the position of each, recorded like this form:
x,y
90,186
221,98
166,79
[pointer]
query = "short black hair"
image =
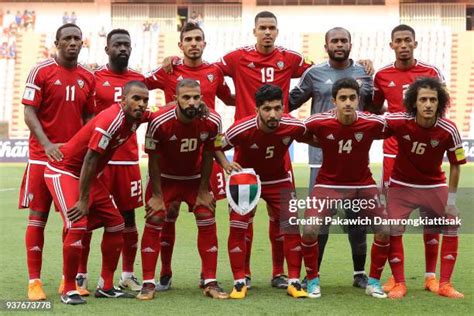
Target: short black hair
x,y
265,14
337,29
344,83
133,83
116,31
58,31
268,92
411,95
190,26
402,27
190,83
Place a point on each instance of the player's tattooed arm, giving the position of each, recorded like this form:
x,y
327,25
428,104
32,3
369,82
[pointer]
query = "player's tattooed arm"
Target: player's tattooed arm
x,y
51,149
225,164
156,203
204,197
88,173
454,175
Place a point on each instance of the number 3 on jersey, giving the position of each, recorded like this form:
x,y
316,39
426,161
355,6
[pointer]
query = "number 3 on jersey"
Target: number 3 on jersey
x,y
268,74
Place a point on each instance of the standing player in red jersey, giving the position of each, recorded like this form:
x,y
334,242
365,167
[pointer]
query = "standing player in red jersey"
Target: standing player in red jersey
x,y
58,97
261,142
180,144
390,84
417,180
212,84
345,135
75,188
122,174
250,67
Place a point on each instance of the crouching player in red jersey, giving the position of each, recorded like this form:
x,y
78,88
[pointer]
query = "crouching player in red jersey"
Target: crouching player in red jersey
x,y
417,181
261,142
75,189
180,143
345,135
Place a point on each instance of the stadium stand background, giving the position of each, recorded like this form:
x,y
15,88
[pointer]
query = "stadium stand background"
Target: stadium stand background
x,y
441,32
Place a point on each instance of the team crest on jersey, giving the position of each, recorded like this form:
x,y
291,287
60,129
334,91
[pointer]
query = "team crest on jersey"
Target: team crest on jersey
x,y
280,64
243,191
134,127
286,140
359,136
80,83
434,143
210,77
203,136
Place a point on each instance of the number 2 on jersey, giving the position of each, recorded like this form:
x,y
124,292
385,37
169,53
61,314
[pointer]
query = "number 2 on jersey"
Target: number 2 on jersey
x,y
118,94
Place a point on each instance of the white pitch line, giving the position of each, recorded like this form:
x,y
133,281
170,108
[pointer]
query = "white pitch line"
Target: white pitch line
x,y
8,189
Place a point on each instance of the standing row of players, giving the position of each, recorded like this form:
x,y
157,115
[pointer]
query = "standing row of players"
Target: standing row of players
x,y
56,83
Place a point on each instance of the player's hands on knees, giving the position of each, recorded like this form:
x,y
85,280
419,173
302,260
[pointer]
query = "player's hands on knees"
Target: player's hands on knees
x,y
232,166
451,211
79,210
154,205
206,199
53,152
168,63
368,66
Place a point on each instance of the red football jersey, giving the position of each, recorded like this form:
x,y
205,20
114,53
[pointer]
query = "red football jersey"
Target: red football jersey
x,y
209,76
250,70
264,152
109,86
180,145
61,96
103,134
390,84
345,148
421,150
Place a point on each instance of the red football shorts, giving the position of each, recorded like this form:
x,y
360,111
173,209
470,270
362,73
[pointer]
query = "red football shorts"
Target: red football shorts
x,y
125,184
102,209
403,200
218,182
34,193
177,191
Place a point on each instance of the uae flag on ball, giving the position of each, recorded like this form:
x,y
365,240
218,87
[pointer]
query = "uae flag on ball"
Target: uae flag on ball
x,y
243,191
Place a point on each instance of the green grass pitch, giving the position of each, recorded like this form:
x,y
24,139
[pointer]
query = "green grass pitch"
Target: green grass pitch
x,y
338,296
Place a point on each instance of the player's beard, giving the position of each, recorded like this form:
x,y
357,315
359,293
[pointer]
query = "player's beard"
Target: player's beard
x,y
190,112
271,123
194,56
345,56
121,62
